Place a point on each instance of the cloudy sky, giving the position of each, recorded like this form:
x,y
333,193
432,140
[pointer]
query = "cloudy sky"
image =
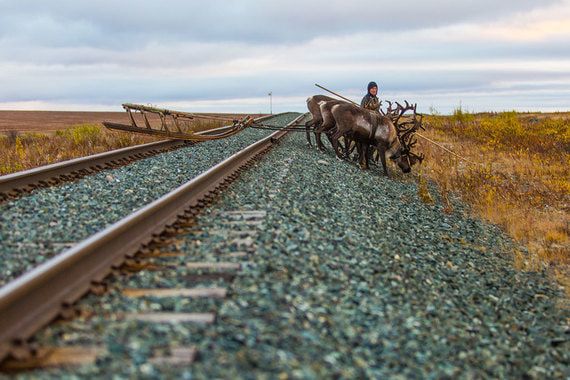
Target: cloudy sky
x,y
227,55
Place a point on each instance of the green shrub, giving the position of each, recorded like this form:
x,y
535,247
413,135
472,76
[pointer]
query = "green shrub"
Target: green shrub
x,y
84,134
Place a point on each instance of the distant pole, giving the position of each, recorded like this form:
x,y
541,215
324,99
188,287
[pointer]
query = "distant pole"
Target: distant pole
x,y
270,103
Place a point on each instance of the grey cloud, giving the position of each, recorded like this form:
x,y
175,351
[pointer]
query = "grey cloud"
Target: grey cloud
x,y
183,57
108,53
124,24
115,86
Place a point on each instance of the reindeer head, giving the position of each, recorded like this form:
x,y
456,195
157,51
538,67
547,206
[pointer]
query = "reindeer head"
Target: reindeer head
x,y
406,126
405,159
402,161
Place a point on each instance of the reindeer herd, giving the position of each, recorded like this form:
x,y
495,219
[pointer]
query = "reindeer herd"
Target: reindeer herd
x,y
375,134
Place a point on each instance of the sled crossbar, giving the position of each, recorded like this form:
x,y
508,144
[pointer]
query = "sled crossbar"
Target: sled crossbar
x,y
175,124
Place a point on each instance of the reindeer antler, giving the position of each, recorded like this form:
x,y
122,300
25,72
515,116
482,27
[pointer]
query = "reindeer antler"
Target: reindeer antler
x,y
390,111
406,124
406,129
401,110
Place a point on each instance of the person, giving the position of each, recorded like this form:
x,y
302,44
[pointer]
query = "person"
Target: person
x,y
370,100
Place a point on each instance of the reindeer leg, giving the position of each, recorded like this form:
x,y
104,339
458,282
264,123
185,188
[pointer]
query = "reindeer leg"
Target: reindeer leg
x,y
363,156
334,138
370,154
350,145
359,151
345,147
339,145
347,141
320,145
382,153
318,130
376,155
329,135
308,126
335,142
323,128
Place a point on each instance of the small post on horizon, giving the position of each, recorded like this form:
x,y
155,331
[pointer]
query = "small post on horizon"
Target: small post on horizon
x,y
270,103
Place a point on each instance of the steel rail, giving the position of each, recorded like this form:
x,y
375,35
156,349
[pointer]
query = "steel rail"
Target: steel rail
x,y
223,129
192,137
23,179
37,297
18,181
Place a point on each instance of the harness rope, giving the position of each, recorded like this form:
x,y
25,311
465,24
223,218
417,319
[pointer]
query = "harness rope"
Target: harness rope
x,y
293,127
447,150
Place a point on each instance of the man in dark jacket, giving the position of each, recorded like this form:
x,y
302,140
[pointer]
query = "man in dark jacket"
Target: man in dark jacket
x,y
370,100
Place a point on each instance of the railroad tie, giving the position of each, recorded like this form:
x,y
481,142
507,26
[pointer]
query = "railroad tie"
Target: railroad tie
x,y
239,254
176,292
160,254
178,356
72,356
220,265
247,222
166,317
244,214
49,357
243,233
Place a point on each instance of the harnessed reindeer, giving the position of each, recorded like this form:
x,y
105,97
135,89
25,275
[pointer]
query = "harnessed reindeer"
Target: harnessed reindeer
x,y
406,128
380,131
313,104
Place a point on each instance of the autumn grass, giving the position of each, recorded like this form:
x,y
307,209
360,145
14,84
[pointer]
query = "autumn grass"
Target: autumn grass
x,y
21,151
517,176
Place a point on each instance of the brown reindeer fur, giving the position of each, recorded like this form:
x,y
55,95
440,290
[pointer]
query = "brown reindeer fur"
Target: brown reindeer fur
x,y
369,128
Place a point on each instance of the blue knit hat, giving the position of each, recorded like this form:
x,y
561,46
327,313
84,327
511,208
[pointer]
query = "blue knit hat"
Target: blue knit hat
x,y
370,85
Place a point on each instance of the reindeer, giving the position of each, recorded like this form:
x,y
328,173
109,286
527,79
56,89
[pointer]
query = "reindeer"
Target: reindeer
x,y
328,126
371,128
317,120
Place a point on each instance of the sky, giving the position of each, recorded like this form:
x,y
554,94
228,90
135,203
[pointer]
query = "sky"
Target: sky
x,y
226,56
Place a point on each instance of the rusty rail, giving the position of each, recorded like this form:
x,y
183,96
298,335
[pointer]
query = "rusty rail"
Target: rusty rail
x,y
36,298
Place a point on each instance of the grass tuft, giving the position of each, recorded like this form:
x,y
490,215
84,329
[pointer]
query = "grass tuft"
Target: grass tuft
x,y
423,191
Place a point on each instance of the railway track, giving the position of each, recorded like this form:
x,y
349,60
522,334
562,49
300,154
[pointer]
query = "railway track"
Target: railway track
x,y
15,184
50,290
36,227
285,274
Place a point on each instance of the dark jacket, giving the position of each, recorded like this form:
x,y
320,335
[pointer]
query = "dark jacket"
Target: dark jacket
x,y
370,102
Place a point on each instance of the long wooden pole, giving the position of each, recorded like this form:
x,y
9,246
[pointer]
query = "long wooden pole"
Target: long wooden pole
x,y
334,93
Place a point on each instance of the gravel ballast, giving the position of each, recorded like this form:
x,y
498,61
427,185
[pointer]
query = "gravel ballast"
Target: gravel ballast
x,y
37,226
350,275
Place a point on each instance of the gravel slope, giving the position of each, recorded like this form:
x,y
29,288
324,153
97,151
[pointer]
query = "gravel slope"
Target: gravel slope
x,y
352,277
38,226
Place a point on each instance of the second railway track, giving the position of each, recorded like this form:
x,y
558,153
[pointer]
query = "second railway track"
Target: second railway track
x,y
51,289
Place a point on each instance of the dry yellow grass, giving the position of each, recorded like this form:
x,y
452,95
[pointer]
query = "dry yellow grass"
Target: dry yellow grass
x,y
20,151
520,179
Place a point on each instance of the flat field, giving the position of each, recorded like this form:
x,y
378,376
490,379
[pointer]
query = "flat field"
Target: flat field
x,y
516,175
49,121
